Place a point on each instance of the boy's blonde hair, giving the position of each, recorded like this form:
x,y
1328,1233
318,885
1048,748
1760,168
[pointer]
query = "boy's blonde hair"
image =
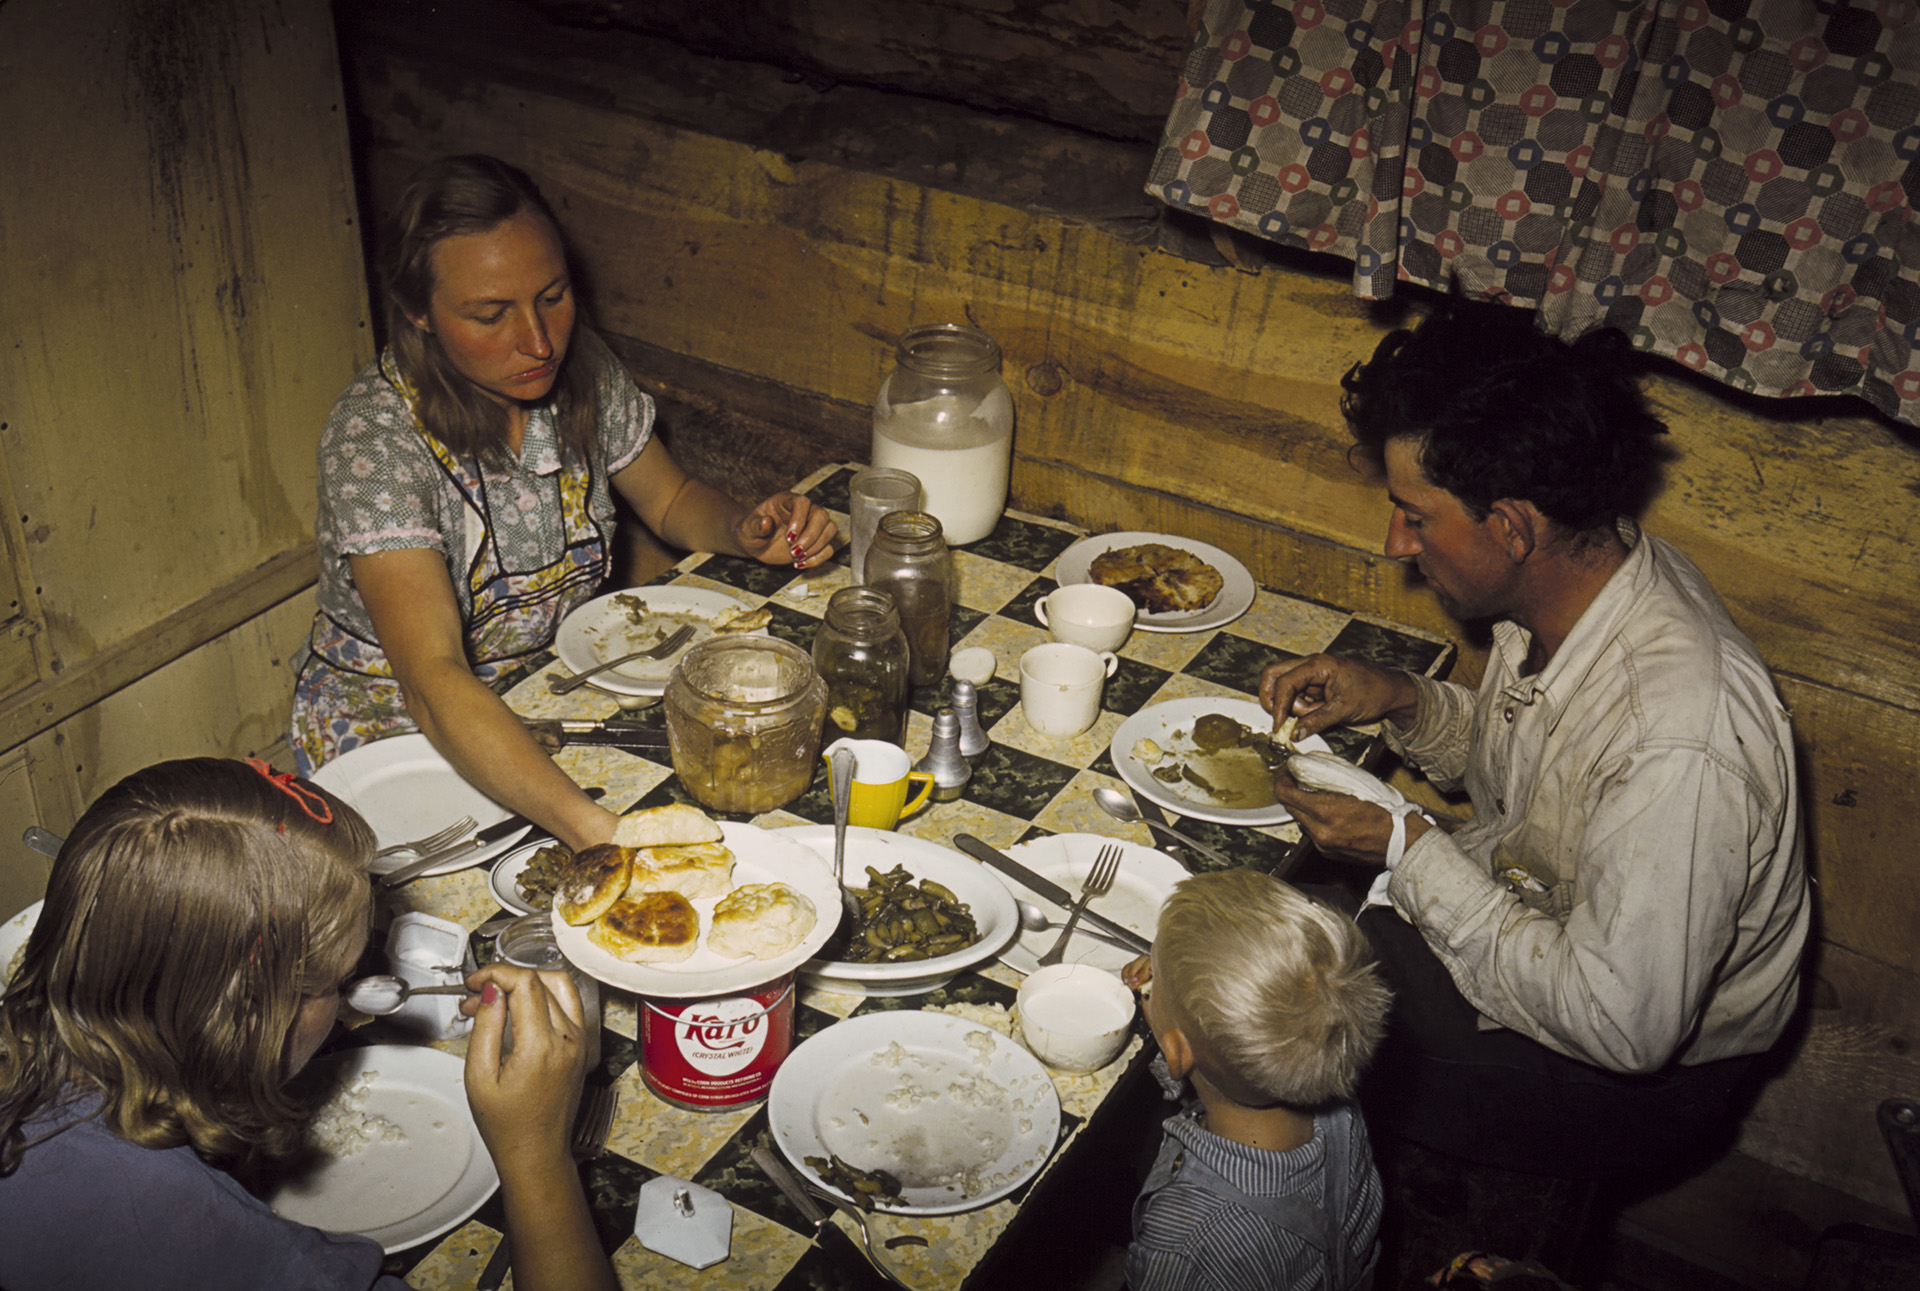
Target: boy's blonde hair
x,y
1276,992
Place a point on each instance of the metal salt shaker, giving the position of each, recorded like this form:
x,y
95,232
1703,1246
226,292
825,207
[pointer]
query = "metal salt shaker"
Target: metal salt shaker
x,y
966,708
944,760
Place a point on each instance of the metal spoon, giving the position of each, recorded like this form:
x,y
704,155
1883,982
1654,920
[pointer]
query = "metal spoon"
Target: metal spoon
x,y
1115,804
1034,919
840,765
383,993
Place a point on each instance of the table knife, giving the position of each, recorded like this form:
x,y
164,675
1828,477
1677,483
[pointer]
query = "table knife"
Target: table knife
x,y
555,734
512,824
1049,889
815,1211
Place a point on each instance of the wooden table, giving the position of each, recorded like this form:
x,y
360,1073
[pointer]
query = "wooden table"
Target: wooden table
x,y
1025,786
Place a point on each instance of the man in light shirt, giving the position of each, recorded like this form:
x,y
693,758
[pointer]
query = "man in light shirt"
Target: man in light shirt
x,y
1591,970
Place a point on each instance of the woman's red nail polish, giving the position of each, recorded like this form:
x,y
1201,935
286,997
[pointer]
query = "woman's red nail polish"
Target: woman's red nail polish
x,y
489,993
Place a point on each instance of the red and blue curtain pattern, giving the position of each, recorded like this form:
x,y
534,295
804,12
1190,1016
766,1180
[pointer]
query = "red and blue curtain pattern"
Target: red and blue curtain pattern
x,y
1730,182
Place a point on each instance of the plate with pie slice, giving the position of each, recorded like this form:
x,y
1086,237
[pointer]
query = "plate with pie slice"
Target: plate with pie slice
x,y
1180,584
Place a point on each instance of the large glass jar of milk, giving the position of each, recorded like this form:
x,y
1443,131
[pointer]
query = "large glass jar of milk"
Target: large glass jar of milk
x,y
944,414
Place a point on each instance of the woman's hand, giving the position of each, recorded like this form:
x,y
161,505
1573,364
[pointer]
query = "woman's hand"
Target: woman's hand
x,y
1138,974
787,529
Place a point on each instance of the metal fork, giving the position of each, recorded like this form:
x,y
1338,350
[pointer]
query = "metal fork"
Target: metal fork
x,y
1099,882
591,1126
432,842
561,685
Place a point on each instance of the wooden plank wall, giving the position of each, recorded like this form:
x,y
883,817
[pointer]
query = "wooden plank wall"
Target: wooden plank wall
x,y
735,252
183,299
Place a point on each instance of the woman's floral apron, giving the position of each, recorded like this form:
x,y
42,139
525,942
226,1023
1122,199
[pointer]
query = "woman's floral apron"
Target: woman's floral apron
x,y
345,694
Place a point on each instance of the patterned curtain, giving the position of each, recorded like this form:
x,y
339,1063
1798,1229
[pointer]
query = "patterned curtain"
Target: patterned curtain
x,y
1730,182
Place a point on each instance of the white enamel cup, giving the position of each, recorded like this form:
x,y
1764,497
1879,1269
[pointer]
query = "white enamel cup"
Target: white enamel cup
x,y
1060,686
1087,614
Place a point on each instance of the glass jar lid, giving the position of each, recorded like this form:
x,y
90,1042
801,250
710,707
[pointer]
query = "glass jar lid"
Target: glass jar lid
x,y
747,674
951,351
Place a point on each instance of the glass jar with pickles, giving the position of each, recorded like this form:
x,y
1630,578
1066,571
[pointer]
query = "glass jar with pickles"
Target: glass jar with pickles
x,y
861,654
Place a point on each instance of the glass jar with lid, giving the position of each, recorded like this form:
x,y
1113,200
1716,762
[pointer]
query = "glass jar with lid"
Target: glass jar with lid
x,y
861,654
744,717
909,561
944,414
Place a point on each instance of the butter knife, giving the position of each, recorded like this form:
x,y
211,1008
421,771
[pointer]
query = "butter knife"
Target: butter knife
x,y
815,1212
555,734
1049,889
513,824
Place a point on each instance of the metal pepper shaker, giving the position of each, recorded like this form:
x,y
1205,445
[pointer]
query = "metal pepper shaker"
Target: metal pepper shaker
x,y
944,760
966,708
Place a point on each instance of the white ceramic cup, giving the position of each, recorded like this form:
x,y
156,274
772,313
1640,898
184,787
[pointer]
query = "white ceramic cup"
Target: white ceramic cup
x,y
1074,1017
1087,614
1060,686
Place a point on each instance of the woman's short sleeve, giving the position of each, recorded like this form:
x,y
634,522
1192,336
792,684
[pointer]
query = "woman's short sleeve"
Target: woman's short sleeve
x,y
380,487
626,413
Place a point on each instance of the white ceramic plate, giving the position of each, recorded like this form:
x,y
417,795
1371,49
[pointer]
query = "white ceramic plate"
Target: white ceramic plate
x,y
407,791
399,1194
601,630
1236,584
1142,886
13,935
759,856
993,914
1159,723
981,1119
507,871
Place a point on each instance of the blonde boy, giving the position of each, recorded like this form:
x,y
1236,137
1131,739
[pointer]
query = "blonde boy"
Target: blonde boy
x,y
1269,1004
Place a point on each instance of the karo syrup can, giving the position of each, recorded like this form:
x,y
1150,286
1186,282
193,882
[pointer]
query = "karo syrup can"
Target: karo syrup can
x,y
713,1055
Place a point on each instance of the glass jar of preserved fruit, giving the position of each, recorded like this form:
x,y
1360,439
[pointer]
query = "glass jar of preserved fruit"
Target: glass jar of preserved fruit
x,y
909,561
945,414
744,720
861,654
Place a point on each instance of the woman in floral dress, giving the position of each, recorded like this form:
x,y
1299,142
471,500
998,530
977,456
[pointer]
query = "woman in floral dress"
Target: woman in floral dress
x,y
466,495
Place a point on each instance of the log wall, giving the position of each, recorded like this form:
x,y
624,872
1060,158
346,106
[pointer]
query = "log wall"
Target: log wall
x,y
764,229
182,299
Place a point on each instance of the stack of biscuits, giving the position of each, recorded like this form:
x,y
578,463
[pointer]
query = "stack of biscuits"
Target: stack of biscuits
x,y
638,891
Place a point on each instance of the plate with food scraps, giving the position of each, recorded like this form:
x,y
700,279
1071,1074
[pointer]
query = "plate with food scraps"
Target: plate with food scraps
x,y
759,856
1234,598
510,869
1156,754
394,1153
406,791
13,939
995,920
622,622
958,1114
1141,886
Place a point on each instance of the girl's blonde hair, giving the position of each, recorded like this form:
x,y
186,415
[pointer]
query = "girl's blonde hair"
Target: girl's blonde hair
x,y
1276,991
195,907
457,197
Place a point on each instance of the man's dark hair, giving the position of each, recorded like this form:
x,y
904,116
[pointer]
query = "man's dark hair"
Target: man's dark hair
x,y
1503,410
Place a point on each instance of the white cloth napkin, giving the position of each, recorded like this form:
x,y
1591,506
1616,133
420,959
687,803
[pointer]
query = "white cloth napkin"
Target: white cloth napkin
x,y
1325,773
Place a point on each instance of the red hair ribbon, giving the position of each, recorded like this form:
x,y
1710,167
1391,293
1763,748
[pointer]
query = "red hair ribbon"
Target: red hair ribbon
x,y
290,785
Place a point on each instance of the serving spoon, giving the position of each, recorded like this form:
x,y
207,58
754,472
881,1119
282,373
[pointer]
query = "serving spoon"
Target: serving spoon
x,y
840,771
384,994
1115,804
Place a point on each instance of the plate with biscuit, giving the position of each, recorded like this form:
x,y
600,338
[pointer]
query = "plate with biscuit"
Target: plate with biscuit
x,y
1180,584
681,906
